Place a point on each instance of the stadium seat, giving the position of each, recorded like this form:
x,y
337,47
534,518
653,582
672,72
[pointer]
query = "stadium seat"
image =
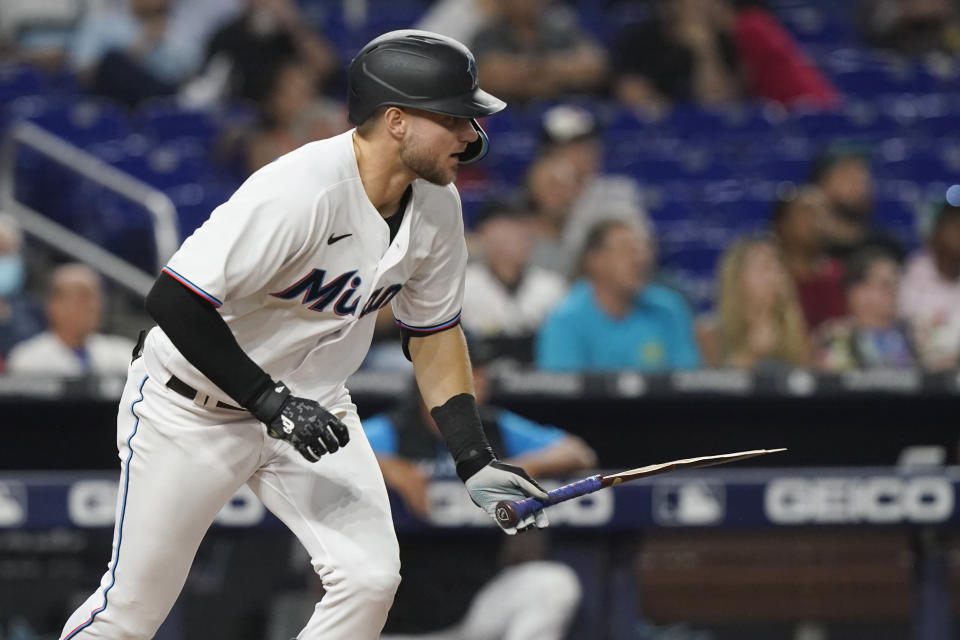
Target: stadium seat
x,y
80,121
166,122
20,80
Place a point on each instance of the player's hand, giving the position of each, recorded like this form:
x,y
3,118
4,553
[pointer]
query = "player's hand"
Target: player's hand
x,y
308,427
499,481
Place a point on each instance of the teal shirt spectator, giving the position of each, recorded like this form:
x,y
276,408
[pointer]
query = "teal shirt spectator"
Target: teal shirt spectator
x,y
656,335
519,434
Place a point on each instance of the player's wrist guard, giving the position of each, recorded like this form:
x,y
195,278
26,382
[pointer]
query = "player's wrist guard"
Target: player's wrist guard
x,y
267,404
459,423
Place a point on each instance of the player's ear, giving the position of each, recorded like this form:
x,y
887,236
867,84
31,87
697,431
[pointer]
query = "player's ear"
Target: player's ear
x,y
396,121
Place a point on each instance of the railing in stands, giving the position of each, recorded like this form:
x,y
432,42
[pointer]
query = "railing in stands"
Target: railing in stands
x,y
162,212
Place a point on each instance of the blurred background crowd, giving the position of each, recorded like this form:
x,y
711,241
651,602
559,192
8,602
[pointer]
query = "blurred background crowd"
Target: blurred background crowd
x,y
676,185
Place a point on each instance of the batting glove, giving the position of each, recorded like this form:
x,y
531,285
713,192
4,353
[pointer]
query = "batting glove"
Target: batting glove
x,y
498,481
308,427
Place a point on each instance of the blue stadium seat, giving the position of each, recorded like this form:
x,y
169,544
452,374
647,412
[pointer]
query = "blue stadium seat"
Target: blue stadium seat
x,y
196,201
81,121
901,219
921,165
672,215
20,80
940,126
163,167
166,122
84,122
695,258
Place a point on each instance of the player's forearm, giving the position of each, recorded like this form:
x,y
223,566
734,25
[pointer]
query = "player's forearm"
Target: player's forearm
x,y
441,366
201,335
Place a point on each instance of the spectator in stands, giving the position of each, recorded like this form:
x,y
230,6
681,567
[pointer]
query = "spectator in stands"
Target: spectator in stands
x,y
774,66
615,318
129,52
758,323
72,347
911,27
537,50
505,297
930,291
872,336
459,19
714,52
499,591
568,192
292,113
20,317
684,53
245,54
798,220
38,32
843,174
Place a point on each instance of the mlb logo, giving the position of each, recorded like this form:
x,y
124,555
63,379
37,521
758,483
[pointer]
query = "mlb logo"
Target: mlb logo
x,y
684,504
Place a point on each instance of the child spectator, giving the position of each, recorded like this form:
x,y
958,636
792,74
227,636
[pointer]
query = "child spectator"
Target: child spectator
x,y
614,318
872,336
759,323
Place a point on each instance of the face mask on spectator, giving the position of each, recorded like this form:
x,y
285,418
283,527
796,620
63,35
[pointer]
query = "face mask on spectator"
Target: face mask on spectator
x,y
11,274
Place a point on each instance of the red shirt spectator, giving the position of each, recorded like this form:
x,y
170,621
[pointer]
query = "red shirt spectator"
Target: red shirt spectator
x,y
774,65
821,295
798,222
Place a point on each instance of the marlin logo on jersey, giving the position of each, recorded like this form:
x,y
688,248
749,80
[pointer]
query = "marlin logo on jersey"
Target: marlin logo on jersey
x,y
318,294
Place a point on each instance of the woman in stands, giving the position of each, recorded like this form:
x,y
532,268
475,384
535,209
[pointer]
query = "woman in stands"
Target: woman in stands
x,y
758,322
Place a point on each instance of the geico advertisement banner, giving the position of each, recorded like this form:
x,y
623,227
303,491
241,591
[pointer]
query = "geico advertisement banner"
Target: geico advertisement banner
x,y
876,500
734,499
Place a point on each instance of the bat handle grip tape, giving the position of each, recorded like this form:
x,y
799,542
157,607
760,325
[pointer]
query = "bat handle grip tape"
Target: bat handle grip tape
x,y
509,513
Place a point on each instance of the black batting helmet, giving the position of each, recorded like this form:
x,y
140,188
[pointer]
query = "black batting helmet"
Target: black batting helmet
x,y
423,70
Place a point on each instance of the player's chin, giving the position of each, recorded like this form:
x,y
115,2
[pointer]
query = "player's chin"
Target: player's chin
x,y
440,175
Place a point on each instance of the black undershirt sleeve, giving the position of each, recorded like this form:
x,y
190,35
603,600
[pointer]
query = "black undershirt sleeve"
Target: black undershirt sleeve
x,y
201,335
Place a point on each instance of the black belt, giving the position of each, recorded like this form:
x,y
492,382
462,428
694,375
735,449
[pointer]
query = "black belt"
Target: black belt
x,y
179,386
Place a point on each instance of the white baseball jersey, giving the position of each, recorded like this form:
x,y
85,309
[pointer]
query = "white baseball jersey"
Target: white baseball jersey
x,y
298,261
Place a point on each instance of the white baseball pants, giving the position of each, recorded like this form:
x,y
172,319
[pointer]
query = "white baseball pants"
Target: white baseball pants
x,y
180,463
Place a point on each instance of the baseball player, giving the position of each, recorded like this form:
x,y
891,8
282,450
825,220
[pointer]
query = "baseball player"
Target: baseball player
x,y
262,315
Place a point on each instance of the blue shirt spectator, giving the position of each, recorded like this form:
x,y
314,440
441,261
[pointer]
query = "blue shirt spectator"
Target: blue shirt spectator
x,y
481,597
519,436
615,318
657,334
20,316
